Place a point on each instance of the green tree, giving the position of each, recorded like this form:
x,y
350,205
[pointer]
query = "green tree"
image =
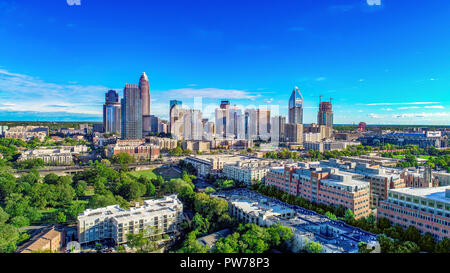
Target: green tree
x,y
9,236
443,246
314,247
191,245
122,159
200,224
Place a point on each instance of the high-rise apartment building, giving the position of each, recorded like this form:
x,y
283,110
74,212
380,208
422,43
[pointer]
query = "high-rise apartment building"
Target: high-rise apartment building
x,y
296,107
144,88
263,123
293,133
186,123
111,113
175,102
131,112
325,115
278,129
251,124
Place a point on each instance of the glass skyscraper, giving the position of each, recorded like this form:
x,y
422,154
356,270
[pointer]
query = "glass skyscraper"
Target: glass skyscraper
x,y
111,113
131,112
296,107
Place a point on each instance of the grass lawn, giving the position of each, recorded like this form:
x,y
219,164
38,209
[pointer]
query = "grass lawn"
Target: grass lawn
x,y
147,173
420,156
166,173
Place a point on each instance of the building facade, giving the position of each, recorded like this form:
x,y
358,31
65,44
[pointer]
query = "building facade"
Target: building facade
x,y
427,209
323,185
131,113
161,216
296,107
111,113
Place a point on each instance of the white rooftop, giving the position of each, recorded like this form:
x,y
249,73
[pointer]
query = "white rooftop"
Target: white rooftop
x,y
436,193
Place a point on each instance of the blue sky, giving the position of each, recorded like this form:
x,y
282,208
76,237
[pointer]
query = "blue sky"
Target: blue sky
x,y
382,64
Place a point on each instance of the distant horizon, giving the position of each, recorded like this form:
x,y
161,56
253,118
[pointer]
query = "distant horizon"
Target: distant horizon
x,y
100,122
380,64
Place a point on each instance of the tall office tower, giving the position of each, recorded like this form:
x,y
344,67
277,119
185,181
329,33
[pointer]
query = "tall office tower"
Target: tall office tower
x,y
224,104
155,124
111,113
144,88
221,116
131,112
172,120
235,123
175,102
263,119
325,115
277,129
176,121
251,124
296,107
293,133
193,125
186,124
209,130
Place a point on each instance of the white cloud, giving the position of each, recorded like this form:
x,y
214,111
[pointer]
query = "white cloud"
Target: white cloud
x,y
410,107
386,109
209,93
400,103
435,107
20,92
372,115
319,79
421,115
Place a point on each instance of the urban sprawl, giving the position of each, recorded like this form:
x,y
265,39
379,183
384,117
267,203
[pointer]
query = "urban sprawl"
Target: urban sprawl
x,y
245,182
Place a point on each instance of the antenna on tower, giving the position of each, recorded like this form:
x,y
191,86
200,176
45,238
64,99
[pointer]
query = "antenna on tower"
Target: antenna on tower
x,y
331,100
320,99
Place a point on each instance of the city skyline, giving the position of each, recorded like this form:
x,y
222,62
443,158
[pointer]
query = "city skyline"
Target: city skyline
x,y
319,49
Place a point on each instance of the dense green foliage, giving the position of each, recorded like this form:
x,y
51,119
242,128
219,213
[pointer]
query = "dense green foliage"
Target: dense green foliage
x,y
251,238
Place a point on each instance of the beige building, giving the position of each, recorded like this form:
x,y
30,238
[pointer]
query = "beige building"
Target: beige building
x,y
196,146
294,133
47,240
164,143
212,164
248,170
60,157
26,133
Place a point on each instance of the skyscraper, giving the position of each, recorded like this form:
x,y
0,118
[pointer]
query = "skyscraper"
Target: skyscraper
x,y
296,107
251,124
325,115
144,88
175,102
131,112
111,113
263,125
277,129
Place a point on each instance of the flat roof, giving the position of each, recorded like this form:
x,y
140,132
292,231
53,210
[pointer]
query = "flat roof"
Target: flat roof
x,y
436,193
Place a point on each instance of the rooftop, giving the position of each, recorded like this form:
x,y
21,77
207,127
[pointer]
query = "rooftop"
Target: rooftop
x,y
436,193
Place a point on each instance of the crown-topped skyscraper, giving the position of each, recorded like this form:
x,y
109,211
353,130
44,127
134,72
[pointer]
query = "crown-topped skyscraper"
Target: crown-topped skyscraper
x,y
144,88
296,107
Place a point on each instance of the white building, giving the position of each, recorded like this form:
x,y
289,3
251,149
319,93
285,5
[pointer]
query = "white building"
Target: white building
x,y
58,156
114,223
248,171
